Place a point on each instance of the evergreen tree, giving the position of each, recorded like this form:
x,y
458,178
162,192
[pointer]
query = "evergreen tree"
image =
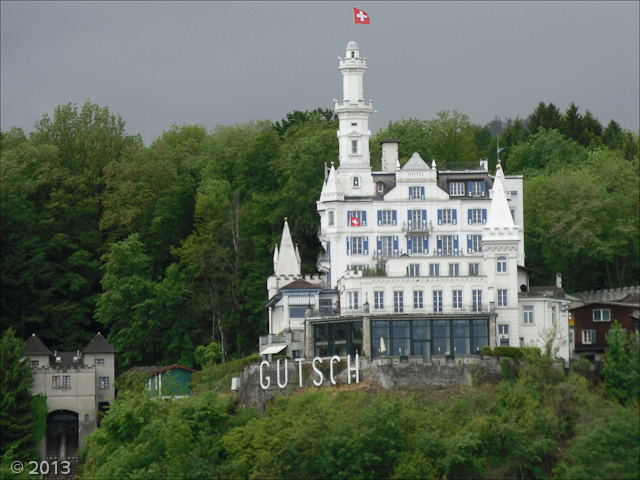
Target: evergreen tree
x,y
544,116
23,415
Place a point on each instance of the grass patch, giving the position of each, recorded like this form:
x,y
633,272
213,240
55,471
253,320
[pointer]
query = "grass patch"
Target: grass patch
x,y
217,378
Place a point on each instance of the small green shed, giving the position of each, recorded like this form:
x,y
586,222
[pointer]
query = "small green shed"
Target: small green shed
x,y
170,381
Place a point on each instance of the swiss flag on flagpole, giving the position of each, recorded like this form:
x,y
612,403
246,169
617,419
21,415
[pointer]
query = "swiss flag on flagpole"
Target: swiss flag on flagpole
x,y
360,17
354,222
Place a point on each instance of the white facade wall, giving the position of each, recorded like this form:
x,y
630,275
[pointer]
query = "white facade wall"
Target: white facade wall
x,y
547,313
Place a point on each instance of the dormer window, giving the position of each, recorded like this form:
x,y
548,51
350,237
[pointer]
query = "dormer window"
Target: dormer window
x,y
380,187
456,189
356,181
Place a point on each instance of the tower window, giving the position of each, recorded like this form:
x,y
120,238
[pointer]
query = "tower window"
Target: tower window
x,y
353,54
354,146
354,124
356,181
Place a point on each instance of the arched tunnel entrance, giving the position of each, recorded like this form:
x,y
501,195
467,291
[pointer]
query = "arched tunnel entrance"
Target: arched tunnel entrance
x,y
62,434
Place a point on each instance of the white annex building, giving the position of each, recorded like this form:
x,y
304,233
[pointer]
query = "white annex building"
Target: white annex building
x,y
419,261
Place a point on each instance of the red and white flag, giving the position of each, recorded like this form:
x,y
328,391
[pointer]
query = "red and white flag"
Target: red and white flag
x,y
360,17
354,222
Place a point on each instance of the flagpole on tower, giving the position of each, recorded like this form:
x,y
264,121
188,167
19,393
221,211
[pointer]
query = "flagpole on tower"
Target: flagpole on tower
x,y
352,22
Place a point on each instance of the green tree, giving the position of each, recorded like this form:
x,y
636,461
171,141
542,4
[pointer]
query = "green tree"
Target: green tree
x,y
452,138
544,116
127,301
209,354
584,222
23,415
63,164
613,135
151,193
546,150
413,136
621,365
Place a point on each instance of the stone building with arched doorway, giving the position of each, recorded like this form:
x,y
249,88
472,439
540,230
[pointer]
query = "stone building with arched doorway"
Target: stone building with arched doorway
x,y
78,386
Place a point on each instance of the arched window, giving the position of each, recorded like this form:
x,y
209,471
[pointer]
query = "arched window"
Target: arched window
x,y
356,181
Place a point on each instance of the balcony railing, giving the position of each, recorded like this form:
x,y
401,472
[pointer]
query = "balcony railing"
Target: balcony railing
x,y
417,227
408,309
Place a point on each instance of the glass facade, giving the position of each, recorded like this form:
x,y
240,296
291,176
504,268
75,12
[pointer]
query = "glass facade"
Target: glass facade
x,y
341,338
429,337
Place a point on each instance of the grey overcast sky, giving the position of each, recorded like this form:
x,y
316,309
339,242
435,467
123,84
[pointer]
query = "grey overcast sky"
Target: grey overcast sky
x,y
163,63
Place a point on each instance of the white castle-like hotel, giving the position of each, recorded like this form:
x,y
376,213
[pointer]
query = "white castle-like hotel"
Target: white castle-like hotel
x,y
419,262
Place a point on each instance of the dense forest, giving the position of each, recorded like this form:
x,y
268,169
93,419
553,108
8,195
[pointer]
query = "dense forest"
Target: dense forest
x,y
167,247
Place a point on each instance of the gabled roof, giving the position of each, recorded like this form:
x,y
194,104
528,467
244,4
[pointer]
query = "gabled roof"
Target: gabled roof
x,y
34,346
415,163
99,344
301,284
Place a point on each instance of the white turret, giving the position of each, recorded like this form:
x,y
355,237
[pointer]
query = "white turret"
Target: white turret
x,y
353,113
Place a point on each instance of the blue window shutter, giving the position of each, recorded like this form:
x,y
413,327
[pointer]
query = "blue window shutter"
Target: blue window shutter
x,y
454,216
470,216
482,187
409,245
439,244
379,245
349,215
424,219
379,217
365,246
484,215
469,244
395,245
410,196
394,217
439,217
364,218
469,188
425,244
455,244
348,246
409,219
422,192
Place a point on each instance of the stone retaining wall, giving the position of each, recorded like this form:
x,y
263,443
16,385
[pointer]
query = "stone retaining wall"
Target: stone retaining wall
x,y
385,373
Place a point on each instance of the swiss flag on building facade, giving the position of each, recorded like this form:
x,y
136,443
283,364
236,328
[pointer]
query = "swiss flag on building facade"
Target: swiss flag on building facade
x,y
354,222
360,17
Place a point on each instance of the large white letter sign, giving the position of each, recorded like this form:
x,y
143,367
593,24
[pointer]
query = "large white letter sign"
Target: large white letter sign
x,y
286,373
349,369
335,358
313,364
300,360
264,387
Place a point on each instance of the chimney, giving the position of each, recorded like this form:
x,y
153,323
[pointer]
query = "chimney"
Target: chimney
x,y
484,164
558,280
389,154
